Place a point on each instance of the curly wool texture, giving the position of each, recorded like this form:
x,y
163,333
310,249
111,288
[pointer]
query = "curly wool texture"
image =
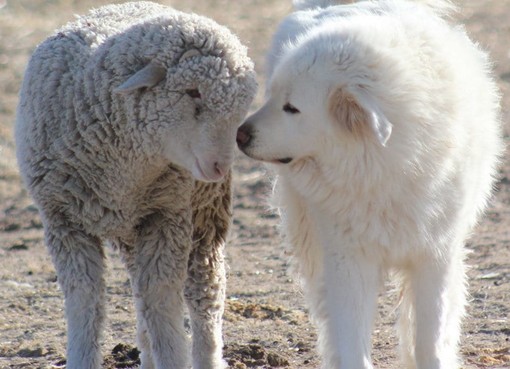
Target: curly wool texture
x,y
105,162
71,121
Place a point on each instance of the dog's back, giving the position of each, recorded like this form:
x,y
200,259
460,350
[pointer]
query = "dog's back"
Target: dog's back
x,y
311,13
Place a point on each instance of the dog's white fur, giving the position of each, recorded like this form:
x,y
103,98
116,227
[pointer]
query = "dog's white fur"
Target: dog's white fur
x,y
394,147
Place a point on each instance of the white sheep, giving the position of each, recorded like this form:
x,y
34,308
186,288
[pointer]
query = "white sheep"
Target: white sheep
x,y
125,133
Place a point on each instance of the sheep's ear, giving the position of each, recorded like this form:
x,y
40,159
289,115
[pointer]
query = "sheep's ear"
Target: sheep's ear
x,y
148,76
360,116
188,54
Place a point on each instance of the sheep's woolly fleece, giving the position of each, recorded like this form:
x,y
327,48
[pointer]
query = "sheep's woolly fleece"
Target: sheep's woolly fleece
x,y
107,159
84,126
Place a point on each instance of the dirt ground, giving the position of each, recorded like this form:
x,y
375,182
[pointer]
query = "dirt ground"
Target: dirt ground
x,y
266,323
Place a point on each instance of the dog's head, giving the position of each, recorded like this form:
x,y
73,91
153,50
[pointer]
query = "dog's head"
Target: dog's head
x,y
320,93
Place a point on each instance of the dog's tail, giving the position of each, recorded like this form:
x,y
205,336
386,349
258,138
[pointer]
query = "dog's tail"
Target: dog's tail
x,y
440,6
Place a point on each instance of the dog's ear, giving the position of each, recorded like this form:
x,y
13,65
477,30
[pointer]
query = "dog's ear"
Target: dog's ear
x,y
360,115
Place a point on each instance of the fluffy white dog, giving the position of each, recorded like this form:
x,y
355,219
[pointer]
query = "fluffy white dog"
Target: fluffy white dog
x,y
383,122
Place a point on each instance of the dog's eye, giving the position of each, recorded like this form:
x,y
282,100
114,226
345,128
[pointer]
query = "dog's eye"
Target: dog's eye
x,y
291,109
194,93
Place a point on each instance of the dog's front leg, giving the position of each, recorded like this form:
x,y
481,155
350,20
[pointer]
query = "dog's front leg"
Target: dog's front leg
x,y
340,284
439,293
346,311
351,284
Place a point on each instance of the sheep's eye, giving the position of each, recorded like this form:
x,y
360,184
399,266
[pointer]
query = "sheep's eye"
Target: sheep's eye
x,y
291,109
194,93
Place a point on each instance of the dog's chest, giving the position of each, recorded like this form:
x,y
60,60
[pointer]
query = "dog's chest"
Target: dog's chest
x,y
390,226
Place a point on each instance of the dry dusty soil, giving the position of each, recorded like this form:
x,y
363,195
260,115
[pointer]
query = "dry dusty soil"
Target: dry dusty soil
x,y
266,322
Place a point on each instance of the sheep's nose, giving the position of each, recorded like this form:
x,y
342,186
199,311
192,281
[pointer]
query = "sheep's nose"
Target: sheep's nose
x,y
221,169
244,135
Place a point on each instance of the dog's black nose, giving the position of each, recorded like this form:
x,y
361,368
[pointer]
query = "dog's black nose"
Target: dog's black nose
x,y
243,135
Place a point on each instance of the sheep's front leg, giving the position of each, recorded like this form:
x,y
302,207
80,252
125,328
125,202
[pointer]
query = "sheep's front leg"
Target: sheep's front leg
x,y
158,272
79,262
205,294
205,286
128,256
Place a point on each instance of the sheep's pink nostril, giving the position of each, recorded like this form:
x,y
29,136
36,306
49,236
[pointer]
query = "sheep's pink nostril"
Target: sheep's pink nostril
x,y
219,169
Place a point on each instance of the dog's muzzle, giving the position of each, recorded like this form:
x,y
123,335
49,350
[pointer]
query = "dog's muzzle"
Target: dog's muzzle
x,y
244,135
244,138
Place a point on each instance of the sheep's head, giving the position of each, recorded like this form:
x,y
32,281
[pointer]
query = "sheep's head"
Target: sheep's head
x,y
194,108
